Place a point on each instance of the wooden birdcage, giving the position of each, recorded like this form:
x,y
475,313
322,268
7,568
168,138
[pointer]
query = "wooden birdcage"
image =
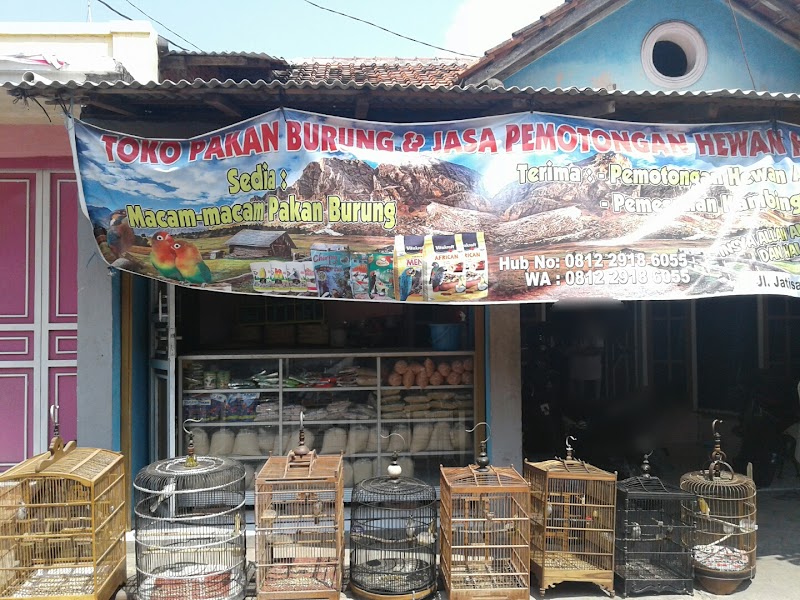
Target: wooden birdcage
x,y
654,536
725,523
485,531
300,526
62,525
572,522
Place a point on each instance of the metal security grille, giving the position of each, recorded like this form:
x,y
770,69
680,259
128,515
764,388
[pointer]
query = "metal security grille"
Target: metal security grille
x,y
62,525
725,516
300,526
572,522
485,533
653,537
393,538
190,530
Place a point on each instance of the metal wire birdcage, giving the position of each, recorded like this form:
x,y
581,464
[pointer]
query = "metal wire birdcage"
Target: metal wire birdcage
x,y
62,525
653,536
190,529
300,525
725,521
393,537
485,531
572,522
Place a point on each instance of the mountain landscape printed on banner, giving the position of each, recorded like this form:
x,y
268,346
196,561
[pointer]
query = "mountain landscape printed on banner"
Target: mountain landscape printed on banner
x,y
437,196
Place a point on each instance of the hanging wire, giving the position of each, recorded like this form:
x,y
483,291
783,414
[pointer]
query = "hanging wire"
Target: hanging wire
x,y
400,35
741,45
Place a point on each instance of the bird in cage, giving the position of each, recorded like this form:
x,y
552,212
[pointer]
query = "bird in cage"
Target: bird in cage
x,y
316,510
411,528
426,538
703,506
22,511
636,531
166,492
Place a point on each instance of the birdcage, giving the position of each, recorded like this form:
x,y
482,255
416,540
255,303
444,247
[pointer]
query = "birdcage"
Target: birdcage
x,y
485,531
725,523
393,537
190,529
572,522
300,525
62,525
653,536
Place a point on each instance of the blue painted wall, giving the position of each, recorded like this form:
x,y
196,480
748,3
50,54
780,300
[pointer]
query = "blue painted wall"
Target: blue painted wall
x,y
610,51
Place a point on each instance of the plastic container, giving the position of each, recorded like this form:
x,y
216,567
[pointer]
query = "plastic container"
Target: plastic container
x,y
445,337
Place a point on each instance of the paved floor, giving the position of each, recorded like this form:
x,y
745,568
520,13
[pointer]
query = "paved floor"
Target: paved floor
x,y
778,559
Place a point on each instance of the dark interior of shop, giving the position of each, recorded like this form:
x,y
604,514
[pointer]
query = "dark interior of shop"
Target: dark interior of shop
x,y
632,378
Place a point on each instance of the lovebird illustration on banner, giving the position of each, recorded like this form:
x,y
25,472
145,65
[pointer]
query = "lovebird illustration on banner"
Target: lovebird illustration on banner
x,y
190,263
120,236
162,255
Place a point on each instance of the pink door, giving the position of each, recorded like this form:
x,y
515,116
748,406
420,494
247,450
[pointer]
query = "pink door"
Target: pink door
x,y
38,309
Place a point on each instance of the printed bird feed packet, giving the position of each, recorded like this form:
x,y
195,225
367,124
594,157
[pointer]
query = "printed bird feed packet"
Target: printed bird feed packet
x,y
268,276
359,275
332,270
444,269
476,264
295,277
408,267
309,277
381,274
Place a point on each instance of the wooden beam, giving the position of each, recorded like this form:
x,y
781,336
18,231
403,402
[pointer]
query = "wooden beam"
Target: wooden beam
x,y
593,109
224,105
110,107
362,106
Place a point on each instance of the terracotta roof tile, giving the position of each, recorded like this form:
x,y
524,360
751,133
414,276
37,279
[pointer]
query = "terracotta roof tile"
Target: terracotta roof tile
x,y
375,70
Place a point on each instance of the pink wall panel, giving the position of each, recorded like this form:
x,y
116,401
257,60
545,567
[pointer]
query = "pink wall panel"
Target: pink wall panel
x,y
16,345
63,249
16,398
63,344
64,390
17,244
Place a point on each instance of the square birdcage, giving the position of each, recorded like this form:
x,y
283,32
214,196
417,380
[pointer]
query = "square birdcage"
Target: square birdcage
x,y
300,526
572,522
189,517
485,532
724,550
654,536
62,525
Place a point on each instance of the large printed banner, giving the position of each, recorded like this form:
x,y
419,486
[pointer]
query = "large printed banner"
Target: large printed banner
x,y
518,208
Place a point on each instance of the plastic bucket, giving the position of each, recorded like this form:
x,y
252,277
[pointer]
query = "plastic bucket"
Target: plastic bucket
x,y
445,336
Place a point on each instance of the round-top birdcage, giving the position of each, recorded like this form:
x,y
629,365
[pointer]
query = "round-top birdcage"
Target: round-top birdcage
x,y
393,522
725,521
190,529
654,536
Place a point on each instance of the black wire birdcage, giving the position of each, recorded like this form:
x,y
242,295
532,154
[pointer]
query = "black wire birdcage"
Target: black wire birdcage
x,y
393,523
653,536
190,529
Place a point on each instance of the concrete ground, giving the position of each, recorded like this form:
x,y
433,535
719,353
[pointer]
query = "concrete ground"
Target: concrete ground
x,y
778,557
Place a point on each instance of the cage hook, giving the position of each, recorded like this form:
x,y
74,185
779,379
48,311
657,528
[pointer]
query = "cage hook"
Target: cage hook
x,y
646,465
301,451
191,459
569,447
482,460
54,417
394,469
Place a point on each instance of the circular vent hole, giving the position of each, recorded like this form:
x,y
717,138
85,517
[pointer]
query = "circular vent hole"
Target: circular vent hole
x,y
669,59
